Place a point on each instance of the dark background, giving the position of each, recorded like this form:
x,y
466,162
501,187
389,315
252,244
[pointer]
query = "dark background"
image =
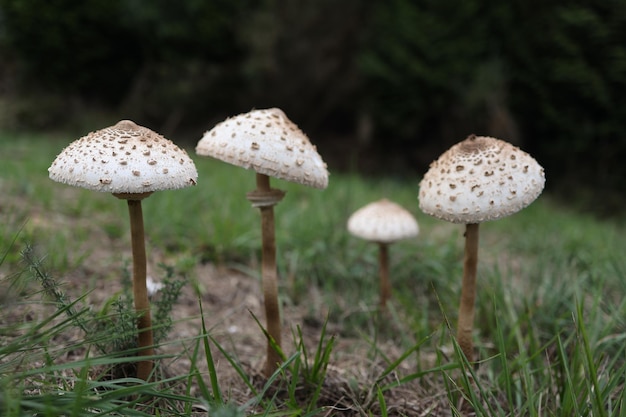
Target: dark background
x,y
381,87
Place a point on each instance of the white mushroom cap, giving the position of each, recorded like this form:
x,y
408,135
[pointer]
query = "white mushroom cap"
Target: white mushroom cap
x,y
125,158
269,143
383,221
480,179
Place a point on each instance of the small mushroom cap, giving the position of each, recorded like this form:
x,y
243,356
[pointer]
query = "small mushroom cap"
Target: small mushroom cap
x,y
480,179
125,158
383,221
269,143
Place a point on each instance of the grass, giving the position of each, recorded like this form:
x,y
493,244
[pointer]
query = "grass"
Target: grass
x,y
550,321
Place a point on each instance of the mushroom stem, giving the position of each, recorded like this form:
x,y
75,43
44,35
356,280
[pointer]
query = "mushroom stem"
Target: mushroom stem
x,y
269,277
468,292
385,284
140,292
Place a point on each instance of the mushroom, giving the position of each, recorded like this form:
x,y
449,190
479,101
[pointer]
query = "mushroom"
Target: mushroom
x,y
131,162
383,222
476,180
273,146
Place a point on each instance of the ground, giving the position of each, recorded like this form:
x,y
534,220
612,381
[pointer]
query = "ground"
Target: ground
x,y
230,300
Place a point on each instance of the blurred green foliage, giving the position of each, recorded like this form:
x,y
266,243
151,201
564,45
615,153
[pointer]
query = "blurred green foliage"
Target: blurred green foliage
x,y
401,80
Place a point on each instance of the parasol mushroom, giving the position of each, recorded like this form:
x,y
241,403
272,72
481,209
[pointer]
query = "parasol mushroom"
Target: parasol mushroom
x,y
383,222
273,146
131,162
476,180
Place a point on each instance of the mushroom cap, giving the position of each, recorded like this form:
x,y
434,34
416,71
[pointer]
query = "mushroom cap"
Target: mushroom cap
x,y
383,221
125,158
269,143
480,179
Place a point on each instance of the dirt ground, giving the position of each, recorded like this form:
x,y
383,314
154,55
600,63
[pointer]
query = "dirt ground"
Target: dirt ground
x,y
229,300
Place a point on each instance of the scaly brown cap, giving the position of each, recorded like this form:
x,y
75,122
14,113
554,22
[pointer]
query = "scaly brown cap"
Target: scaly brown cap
x,y
125,158
480,179
269,143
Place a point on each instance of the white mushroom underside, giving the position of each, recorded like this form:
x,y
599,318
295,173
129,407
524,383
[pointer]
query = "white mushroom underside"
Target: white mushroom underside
x,y
480,179
125,158
383,221
269,143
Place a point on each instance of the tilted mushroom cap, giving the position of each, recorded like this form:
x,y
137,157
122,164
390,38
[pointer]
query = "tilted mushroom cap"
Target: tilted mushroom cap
x,y
125,158
269,143
383,221
480,179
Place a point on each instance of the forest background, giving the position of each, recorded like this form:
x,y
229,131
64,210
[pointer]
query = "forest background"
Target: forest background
x,y
381,87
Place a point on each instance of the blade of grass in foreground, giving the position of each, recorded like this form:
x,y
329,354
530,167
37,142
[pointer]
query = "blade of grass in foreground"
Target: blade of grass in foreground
x,y
258,397
217,394
589,363
381,402
81,396
311,372
11,244
416,375
568,389
506,372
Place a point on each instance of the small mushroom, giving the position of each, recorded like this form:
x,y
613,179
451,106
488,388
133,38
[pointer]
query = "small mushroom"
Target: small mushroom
x,y
383,222
273,146
118,160
476,180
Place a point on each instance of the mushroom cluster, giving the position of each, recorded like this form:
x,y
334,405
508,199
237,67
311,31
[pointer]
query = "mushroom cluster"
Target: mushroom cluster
x,y
476,180
131,162
479,179
273,146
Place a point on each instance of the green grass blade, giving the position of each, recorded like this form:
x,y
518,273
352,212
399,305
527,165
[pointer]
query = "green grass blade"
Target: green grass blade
x,y
568,389
381,402
217,394
600,406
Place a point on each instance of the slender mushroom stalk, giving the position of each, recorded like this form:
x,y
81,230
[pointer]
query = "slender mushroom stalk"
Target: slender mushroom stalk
x,y
383,222
265,198
131,162
385,283
468,292
145,341
477,180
